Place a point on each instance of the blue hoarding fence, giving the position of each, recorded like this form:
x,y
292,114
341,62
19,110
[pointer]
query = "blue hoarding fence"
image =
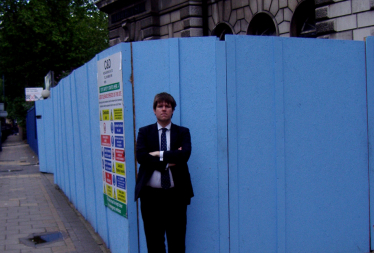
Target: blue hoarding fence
x,y
281,141
32,134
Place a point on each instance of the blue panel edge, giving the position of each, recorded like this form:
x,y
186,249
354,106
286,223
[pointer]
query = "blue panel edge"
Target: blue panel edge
x,y
370,111
222,147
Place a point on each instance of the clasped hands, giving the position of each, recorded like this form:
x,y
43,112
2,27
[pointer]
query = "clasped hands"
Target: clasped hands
x,y
157,153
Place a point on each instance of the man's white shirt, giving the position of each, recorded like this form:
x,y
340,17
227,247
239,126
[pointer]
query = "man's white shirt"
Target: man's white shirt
x,y
155,180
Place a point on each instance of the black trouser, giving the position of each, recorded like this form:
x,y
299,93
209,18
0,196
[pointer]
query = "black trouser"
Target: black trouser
x,y
163,212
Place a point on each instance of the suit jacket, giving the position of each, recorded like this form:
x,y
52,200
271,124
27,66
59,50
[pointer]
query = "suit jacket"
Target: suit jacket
x,y
148,141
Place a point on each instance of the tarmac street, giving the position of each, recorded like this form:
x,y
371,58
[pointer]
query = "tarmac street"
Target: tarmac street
x,y
35,216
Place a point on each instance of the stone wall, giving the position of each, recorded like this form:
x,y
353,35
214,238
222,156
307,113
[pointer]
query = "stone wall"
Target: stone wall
x,y
239,13
152,19
159,19
182,22
348,20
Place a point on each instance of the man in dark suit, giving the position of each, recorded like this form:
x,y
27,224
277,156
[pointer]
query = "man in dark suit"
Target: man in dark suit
x,y
163,183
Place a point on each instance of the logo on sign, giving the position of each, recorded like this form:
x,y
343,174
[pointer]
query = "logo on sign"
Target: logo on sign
x,y
104,128
107,64
111,127
112,141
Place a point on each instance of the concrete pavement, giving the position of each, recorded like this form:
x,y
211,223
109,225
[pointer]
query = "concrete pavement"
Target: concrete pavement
x,y
33,210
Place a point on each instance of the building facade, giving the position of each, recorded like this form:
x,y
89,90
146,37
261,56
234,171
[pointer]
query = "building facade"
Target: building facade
x,y
138,20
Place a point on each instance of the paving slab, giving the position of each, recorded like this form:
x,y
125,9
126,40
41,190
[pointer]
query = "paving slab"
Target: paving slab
x,y
31,204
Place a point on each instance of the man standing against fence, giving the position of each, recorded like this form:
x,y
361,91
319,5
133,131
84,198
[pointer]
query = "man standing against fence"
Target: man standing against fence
x,y
163,183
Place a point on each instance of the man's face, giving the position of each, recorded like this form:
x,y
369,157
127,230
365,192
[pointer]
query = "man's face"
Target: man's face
x,y
163,112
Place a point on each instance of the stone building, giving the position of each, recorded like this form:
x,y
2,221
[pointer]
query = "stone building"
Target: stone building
x,y
136,20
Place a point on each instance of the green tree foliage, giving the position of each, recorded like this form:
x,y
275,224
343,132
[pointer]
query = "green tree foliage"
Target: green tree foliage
x,y
17,109
37,36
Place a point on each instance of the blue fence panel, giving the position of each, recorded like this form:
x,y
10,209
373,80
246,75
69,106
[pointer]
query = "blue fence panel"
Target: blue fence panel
x,y
252,178
118,226
370,104
31,129
45,139
222,148
85,141
207,228
55,93
38,110
129,147
297,145
151,75
57,118
187,70
326,145
101,211
49,140
66,137
54,126
78,173
67,145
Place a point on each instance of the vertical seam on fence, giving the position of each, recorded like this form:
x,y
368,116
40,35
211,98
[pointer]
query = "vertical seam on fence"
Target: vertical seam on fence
x,y
178,79
134,133
368,138
174,77
222,143
279,143
63,129
80,149
81,153
227,147
72,123
232,149
54,135
90,141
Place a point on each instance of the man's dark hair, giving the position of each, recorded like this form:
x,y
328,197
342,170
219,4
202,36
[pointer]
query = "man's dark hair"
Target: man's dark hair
x,y
164,97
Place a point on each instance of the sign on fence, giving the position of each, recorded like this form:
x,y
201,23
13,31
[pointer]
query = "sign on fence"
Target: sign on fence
x,y
110,88
33,94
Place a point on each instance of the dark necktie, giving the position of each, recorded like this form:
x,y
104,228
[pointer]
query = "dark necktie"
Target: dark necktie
x,y
165,178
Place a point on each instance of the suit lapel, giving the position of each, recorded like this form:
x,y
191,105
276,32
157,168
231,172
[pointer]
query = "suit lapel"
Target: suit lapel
x,y
154,138
173,136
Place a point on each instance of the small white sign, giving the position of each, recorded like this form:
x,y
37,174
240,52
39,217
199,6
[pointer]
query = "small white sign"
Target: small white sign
x,y
33,94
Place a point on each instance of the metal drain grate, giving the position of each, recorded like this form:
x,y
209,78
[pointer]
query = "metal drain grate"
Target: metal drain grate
x,y
35,240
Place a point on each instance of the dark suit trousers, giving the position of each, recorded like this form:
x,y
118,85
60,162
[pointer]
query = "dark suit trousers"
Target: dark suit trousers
x,y
163,212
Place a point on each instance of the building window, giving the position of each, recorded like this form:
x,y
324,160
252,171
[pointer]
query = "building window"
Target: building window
x,y
303,23
262,24
221,30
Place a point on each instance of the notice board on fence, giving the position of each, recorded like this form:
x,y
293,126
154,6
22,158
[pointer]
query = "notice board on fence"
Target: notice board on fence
x,y
110,88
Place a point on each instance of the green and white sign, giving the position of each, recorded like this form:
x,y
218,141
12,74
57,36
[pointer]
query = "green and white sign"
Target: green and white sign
x,y
112,133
